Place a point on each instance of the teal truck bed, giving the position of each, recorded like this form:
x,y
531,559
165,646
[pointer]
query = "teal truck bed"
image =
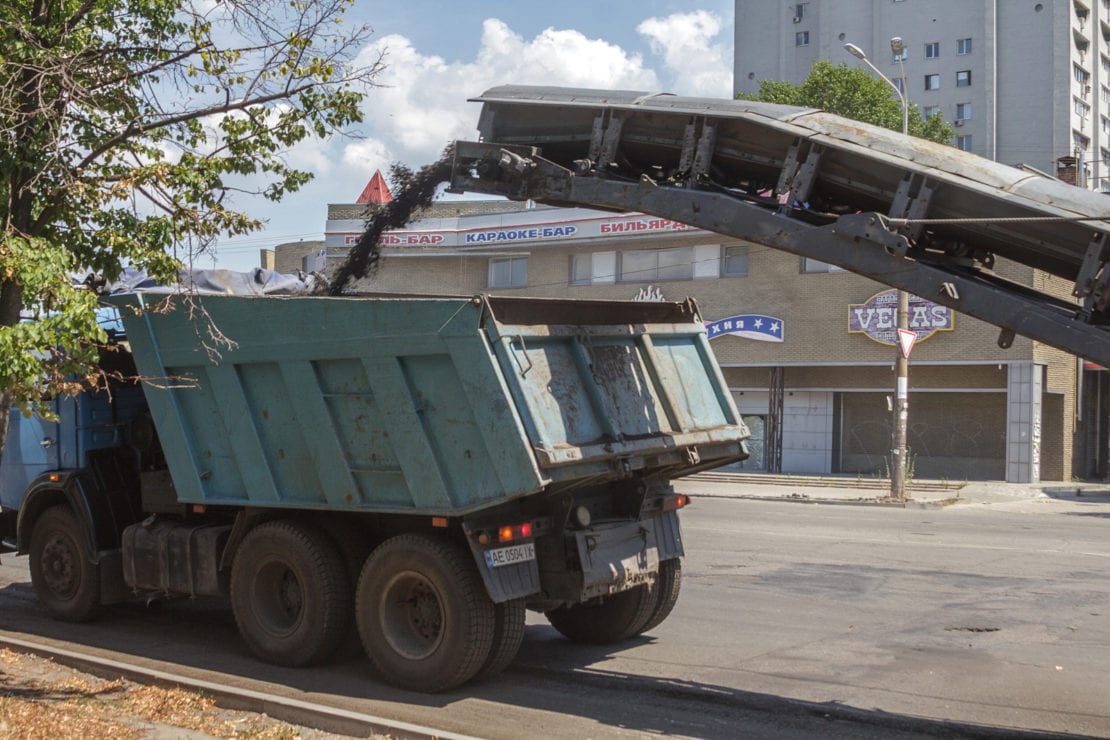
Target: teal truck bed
x,y
437,406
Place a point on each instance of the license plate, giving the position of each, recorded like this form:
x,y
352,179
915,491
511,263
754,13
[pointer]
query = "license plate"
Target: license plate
x,y
511,555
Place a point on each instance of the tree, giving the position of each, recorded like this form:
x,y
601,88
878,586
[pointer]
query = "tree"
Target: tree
x,y
854,93
125,126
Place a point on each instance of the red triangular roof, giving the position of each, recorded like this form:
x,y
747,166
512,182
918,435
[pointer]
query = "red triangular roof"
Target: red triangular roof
x,y
376,191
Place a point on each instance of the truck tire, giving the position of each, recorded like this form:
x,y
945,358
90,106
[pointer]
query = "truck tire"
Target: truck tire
x,y
508,634
607,619
423,614
290,593
65,580
667,587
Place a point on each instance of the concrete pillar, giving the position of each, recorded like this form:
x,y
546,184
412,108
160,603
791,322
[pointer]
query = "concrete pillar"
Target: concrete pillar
x,y
1023,422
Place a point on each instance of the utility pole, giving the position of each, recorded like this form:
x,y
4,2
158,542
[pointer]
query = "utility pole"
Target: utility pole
x,y
898,455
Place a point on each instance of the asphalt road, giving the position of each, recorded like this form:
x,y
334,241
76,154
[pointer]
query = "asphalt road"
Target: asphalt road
x,y
795,621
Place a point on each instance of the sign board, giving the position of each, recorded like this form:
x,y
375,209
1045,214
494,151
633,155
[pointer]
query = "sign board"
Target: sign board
x,y
906,338
749,325
629,224
878,318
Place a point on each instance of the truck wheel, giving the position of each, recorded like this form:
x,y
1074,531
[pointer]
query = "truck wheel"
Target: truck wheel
x,y
66,582
290,593
423,614
508,634
605,620
667,586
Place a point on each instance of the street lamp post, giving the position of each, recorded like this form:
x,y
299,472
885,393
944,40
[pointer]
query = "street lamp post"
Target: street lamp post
x,y
898,462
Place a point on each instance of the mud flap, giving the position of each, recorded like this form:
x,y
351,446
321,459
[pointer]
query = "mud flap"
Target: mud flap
x,y
508,573
616,558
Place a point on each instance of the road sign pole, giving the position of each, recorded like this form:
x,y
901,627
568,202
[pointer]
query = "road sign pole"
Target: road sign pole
x,y
902,401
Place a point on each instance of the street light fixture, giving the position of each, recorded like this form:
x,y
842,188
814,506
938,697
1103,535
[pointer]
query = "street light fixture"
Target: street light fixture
x,y
898,461
897,47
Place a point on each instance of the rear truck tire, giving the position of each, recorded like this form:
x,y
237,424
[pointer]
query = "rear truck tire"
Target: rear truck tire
x,y
354,544
65,580
667,587
290,593
425,619
508,634
606,619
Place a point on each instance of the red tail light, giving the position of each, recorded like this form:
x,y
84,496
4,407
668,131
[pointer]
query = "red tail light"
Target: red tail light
x,y
675,502
509,533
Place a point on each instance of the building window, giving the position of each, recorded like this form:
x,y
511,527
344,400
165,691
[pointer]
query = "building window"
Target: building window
x,y
932,50
647,265
801,38
508,272
1081,109
1079,141
963,111
1105,64
932,82
1081,75
963,78
799,11
812,265
900,84
963,143
593,268
899,57
581,269
963,47
734,260
929,111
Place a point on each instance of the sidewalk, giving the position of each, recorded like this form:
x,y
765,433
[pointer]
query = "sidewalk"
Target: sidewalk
x,y
876,491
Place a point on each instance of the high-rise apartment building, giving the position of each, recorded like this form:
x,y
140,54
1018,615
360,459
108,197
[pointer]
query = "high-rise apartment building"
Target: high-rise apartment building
x,y
1024,83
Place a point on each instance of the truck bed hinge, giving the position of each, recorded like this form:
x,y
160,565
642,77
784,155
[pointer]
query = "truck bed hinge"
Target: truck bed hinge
x,y
605,138
699,141
1093,279
911,201
799,172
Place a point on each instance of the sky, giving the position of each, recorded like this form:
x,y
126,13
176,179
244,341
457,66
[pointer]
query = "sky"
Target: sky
x,y
437,54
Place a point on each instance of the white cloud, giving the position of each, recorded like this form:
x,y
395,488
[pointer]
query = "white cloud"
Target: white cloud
x,y
422,105
685,41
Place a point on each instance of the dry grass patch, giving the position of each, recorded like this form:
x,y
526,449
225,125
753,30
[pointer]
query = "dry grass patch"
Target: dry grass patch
x,y
41,699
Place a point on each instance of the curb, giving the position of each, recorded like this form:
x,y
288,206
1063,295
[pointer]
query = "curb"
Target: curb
x,y
819,481
294,711
802,499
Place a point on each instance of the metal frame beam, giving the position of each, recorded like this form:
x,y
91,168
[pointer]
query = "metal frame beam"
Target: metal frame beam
x,y
858,242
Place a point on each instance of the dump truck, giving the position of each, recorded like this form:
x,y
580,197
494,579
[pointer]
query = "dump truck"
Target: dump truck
x,y
422,469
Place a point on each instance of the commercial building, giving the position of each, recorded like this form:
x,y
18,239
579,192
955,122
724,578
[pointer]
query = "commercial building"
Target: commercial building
x,y
1024,83
806,348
